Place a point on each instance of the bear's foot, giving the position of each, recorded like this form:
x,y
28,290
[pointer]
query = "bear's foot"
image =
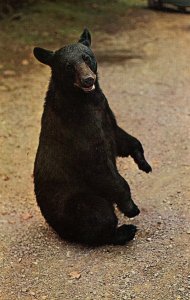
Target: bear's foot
x,y
124,234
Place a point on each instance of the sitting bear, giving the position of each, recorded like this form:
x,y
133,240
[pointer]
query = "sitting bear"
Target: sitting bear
x,y
75,174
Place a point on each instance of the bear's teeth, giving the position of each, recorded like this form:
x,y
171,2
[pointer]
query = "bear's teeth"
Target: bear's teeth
x,y
89,89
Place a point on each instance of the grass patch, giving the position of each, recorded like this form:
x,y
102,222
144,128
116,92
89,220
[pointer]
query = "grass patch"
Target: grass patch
x,y
48,23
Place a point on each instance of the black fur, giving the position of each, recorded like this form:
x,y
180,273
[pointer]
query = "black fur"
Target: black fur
x,y
75,174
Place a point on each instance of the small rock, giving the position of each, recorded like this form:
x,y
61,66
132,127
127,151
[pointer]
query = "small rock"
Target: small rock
x,y
133,272
68,254
182,289
9,73
70,281
188,231
24,62
32,293
26,216
149,239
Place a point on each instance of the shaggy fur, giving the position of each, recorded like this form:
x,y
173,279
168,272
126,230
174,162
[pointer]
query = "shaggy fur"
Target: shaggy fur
x,y
75,174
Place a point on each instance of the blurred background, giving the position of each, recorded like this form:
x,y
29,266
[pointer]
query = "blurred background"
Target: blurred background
x,y
47,23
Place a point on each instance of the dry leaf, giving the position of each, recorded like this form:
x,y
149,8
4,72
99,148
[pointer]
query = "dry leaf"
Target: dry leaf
x,y
75,275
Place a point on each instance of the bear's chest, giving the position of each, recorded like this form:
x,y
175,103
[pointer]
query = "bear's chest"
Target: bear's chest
x,y
99,133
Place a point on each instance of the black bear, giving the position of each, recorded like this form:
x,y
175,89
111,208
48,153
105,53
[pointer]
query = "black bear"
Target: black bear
x,y
75,175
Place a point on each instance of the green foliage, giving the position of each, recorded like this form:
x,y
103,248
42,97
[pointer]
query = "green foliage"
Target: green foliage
x,y
47,20
47,23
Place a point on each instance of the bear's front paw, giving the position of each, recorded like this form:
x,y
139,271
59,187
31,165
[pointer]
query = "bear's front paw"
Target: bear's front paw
x,y
133,212
144,166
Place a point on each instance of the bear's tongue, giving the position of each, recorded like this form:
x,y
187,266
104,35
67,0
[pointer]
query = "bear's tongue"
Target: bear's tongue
x,y
88,89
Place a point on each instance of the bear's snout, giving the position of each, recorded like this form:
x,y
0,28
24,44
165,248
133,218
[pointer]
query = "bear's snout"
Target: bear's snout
x,y
85,78
87,81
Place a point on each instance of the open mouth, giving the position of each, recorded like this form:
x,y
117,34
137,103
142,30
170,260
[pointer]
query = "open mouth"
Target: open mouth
x,y
86,89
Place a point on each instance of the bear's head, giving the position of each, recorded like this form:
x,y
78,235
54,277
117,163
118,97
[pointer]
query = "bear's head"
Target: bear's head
x,y
73,66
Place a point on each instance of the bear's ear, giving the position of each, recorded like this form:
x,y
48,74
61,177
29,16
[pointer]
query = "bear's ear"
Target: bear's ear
x,y
43,55
85,38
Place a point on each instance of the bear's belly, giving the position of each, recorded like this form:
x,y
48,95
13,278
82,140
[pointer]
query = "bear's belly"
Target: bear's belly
x,y
98,148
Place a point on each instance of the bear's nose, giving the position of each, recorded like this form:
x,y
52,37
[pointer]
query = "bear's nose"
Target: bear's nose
x,y
88,81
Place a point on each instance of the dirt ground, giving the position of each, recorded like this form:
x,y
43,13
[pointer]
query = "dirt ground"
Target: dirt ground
x,y
144,72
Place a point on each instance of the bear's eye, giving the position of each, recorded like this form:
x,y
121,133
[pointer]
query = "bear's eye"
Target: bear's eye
x,y
87,59
68,67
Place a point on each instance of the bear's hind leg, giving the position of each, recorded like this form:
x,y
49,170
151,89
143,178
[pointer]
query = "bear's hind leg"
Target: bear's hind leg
x,y
91,220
